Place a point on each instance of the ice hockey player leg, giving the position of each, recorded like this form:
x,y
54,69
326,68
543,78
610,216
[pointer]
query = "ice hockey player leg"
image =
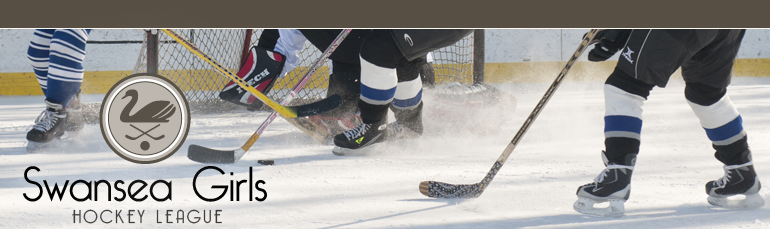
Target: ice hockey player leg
x,y
76,115
613,185
379,57
60,80
344,81
361,139
738,188
408,124
407,102
50,125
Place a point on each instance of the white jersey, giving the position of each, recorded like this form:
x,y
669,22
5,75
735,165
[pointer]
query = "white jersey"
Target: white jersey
x,y
290,43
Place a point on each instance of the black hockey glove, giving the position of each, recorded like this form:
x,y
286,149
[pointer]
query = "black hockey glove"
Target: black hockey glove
x,y
610,41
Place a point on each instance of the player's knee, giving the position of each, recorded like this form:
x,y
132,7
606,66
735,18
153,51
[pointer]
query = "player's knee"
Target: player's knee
x,y
409,70
379,49
378,84
38,56
702,94
627,83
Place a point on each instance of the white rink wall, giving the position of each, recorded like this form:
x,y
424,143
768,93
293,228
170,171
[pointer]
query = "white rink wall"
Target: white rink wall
x,y
502,46
100,57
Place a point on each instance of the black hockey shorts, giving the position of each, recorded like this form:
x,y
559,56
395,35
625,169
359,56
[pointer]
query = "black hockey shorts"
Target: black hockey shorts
x,y
348,50
416,43
346,70
705,55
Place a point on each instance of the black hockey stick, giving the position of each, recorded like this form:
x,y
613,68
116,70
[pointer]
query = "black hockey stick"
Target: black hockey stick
x,y
445,190
287,111
207,155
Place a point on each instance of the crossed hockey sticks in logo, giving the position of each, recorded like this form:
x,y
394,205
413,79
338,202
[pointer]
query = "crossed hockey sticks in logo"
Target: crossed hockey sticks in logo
x,y
145,133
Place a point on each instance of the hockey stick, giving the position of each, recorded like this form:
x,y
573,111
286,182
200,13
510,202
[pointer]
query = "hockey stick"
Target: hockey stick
x,y
324,105
445,190
145,133
207,155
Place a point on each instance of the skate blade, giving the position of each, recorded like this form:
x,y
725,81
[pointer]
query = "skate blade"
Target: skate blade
x,y
34,147
55,145
750,202
586,206
40,147
371,149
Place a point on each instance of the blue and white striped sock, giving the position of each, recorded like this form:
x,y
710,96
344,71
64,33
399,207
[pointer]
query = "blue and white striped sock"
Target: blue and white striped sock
x,y
60,73
38,55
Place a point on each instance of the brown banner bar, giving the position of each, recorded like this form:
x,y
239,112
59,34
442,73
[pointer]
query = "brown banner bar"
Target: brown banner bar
x,y
385,14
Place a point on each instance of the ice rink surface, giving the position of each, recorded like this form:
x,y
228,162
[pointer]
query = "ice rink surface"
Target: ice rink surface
x,y
308,187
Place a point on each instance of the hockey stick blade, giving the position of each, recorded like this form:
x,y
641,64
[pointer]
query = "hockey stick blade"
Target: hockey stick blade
x,y
321,106
211,156
445,190
437,189
207,155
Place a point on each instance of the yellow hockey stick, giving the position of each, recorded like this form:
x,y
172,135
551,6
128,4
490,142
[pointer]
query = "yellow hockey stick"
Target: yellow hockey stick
x,y
318,107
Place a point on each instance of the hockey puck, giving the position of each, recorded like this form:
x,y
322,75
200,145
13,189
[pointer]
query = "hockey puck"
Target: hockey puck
x,y
266,162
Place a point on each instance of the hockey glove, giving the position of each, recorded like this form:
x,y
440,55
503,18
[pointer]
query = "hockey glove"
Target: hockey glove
x,y
610,41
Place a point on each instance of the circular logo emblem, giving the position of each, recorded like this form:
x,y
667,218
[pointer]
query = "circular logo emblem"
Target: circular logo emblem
x,y
145,118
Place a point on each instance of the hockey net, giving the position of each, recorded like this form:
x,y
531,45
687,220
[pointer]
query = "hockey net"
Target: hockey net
x,y
201,83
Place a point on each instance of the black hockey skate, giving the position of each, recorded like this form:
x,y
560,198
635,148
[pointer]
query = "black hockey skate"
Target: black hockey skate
x,y
260,70
50,125
398,131
359,139
738,180
613,185
408,124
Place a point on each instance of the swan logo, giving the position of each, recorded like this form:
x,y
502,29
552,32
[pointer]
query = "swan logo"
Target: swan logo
x,y
144,118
